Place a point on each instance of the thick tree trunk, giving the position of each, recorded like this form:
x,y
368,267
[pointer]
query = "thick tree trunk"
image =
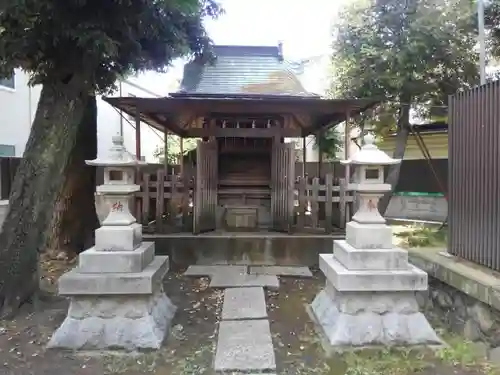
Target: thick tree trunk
x,y
75,218
36,188
399,152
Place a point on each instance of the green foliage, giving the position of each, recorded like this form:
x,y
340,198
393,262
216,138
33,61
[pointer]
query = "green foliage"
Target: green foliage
x,y
492,23
174,148
330,143
99,40
413,52
421,235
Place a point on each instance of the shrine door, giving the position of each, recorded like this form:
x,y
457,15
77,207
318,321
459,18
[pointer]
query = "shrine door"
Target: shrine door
x,y
205,197
282,186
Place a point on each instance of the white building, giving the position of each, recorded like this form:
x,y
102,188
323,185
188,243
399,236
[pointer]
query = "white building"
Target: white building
x,y
18,104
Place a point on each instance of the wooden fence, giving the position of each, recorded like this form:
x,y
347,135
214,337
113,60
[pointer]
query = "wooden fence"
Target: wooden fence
x,y
165,203
322,204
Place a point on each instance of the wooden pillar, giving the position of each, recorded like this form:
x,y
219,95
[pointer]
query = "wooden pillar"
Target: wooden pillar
x,y
347,143
212,126
304,157
181,161
138,176
347,171
165,152
138,134
319,134
185,188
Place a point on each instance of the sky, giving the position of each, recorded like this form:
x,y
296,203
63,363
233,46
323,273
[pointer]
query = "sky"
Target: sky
x,y
304,28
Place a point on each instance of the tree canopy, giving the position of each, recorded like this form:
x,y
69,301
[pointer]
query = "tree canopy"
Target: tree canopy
x,y
404,52
492,23
53,40
410,54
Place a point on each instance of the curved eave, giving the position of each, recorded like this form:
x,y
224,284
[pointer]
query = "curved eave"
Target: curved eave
x,y
162,112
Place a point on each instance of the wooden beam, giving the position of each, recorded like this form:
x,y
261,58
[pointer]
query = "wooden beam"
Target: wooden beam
x,y
303,120
248,133
168,124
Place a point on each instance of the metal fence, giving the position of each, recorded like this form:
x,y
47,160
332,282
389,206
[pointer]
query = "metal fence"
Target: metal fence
x,y
474,175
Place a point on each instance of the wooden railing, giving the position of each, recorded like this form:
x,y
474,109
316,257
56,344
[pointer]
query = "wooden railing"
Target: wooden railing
x,y
322,204
165,203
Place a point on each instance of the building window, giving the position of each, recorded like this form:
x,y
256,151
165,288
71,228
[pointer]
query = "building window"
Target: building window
x,y
8,82
8,168
7,151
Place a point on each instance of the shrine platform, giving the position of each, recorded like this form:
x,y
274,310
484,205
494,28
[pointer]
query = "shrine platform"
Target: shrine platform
x,y
243,248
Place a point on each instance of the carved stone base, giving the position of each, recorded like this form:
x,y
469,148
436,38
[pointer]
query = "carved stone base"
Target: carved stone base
x,y
129,322
373,318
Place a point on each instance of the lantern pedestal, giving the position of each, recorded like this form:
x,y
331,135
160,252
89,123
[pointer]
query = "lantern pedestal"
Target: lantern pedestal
x,y
369,295
116,292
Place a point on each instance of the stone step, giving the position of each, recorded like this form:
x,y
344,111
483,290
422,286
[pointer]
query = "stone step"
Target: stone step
x,y
370,259
296,271
244,303
237,280
411,279
210,270
245,345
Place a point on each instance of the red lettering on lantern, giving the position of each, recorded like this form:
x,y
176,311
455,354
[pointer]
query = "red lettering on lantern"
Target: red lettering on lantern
x,y
371,205
117,206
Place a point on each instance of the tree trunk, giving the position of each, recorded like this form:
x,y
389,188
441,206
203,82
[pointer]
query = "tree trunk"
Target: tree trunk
x,y
75,218
36,188
399,152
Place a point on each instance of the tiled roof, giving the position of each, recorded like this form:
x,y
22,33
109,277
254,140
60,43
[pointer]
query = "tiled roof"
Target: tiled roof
x,y
243,69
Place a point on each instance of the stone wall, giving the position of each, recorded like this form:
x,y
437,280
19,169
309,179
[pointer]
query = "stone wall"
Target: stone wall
x,y
462,296
461,313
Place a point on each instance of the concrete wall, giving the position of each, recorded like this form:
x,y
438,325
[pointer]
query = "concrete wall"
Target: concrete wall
x,y
417,208
436,143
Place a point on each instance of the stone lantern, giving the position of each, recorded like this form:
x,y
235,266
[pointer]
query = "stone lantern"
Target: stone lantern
x,y
369,295
119,230
116,292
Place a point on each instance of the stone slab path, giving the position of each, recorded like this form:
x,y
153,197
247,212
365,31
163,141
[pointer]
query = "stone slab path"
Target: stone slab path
x,y
245,344
210,270
296,271
244,303
235,280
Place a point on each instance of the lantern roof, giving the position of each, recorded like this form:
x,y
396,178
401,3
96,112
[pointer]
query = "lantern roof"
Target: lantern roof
x,y
117,156
370,154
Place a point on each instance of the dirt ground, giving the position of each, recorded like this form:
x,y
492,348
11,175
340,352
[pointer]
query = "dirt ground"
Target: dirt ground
x,y
190,348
